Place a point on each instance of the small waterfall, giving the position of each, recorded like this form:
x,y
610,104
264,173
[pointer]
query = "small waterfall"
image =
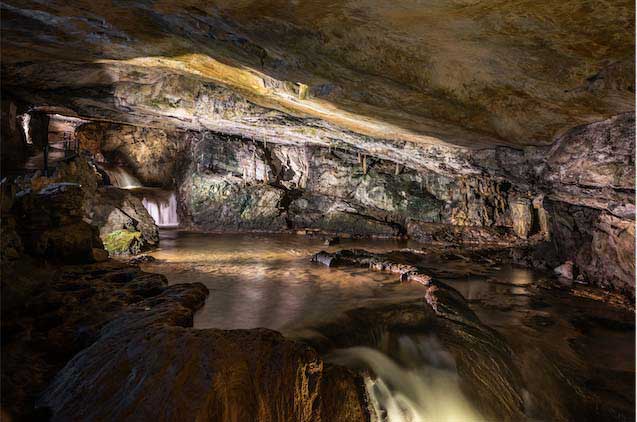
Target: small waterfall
x,y
163,211
423,387
122,178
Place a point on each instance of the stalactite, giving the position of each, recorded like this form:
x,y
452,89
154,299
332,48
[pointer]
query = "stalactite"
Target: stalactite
x,y
358,157
397,172
365,164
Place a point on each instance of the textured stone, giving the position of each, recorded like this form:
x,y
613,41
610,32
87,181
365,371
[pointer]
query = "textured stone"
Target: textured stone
x,y
594,166
522,217
459,72
123,242
50,224
154,154
179,373
113,209
51,313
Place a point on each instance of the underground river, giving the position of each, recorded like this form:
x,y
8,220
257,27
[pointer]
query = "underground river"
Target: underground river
x,y
559,340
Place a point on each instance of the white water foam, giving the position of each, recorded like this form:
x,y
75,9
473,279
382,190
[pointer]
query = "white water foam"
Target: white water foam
x,y
427,389
122,178
163,212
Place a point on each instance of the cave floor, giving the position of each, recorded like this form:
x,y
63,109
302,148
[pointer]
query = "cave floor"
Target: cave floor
x,y
568,348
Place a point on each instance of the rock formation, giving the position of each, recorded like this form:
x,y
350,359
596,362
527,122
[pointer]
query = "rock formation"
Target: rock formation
x,y
180,373
508,125
258,134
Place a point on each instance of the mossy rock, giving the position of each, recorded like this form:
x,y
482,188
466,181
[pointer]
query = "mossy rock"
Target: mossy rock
x,y
123,242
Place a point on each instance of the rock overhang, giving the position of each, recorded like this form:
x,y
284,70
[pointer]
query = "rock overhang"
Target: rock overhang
x,y
458,73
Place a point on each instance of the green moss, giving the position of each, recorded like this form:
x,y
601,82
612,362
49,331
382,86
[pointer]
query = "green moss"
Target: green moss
x,y
122,242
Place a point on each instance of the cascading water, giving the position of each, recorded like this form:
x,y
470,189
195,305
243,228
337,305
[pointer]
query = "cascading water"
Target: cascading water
x,y
163,211
122,178
422,387
161,205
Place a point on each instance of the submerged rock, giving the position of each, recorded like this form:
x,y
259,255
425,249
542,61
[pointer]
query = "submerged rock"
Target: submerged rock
x,y
331,241
375,262
142,259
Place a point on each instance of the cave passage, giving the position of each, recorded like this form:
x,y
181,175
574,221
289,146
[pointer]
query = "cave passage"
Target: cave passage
x,y
317,211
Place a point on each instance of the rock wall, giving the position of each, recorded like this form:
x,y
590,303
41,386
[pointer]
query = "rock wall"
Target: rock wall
x,y
12,143
151,154
573,201
235,183
589,179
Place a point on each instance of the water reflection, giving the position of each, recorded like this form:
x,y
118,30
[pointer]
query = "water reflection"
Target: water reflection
x,y
269,281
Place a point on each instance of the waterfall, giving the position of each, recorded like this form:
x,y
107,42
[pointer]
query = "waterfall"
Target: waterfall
x,y
423,387
122,178
163,211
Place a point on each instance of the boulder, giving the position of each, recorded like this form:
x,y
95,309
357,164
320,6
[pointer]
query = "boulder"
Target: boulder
x,y
565,270
50,224
114,210
50,313
148,364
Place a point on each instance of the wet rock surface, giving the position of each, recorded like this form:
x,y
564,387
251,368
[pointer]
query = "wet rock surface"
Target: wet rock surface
x,y
153,154
487,130
50,224
180,373
564,372
232,183
115,210
484,361
49,313
242,184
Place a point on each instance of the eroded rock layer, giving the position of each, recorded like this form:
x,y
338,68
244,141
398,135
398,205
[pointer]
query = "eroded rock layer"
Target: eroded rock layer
x,y
571,202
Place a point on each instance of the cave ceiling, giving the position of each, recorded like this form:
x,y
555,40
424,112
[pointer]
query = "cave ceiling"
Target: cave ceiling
x,y
454,72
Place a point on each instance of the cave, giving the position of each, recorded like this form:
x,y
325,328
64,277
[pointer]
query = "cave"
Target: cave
x,y
322,210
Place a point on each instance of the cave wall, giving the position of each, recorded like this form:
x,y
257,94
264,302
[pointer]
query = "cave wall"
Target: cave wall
x,y
573,201
235,183
232,183
12,142
152,155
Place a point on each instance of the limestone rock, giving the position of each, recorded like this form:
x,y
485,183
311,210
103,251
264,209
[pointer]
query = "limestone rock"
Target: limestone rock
x,y
565,270
181,373
50,224
153,153
420,77
223,203
612,253
51,313
593,165
114,209
522,217
123,242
